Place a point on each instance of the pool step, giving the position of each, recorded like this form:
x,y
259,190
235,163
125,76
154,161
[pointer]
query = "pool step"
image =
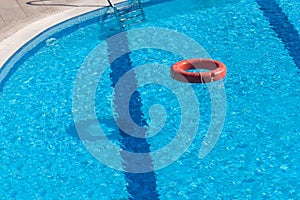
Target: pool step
x,y
130,17
130,14
128,8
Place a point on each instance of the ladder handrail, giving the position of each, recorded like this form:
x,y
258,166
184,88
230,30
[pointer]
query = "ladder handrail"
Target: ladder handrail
x,y
111,4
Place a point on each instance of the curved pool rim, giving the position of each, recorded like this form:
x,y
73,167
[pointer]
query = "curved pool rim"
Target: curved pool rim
x,y
20,45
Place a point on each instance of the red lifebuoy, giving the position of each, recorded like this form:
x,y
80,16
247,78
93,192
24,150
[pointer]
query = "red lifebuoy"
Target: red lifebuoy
x,y
217,70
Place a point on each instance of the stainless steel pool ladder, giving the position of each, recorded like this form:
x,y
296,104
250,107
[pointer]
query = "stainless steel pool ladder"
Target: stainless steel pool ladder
x,y
130,14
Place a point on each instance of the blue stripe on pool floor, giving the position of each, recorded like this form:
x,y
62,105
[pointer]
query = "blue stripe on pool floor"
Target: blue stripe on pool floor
x,y
139,185
283,27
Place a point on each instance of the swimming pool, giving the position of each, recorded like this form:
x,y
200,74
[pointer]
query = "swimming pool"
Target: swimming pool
x,y
256,156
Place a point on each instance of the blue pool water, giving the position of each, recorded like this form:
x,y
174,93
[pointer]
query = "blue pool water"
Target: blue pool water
x,y
256,156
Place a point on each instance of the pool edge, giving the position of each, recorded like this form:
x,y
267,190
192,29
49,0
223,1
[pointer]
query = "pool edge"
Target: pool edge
x,y
12,44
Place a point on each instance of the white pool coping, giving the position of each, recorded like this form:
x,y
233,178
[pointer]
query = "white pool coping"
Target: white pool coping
x,y
11,44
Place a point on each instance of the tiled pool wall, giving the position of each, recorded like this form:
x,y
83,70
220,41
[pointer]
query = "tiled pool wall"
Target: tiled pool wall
x,y
100,15
40,40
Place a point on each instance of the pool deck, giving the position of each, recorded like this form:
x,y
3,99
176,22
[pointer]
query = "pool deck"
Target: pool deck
x,y
20,22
